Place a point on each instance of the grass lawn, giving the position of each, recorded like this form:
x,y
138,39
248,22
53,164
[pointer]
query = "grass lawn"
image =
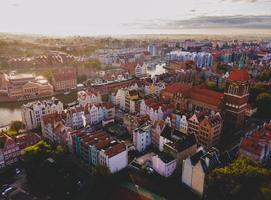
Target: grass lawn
x,y
10,132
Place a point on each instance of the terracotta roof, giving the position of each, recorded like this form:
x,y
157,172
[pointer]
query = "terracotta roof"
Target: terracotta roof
x,y
50,118
239,75
104,143
177,87
65,74
206,96
115,149
252,146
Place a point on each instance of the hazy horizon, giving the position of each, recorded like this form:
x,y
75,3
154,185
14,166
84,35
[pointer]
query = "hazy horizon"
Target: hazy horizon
x,y
122,17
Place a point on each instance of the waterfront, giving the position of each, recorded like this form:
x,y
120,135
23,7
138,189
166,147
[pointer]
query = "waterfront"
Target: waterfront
x,y
12,111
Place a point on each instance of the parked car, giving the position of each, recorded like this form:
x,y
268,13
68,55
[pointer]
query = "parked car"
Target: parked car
x,y
8,190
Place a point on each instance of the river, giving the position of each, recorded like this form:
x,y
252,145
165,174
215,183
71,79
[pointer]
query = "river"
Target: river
x,y
12,111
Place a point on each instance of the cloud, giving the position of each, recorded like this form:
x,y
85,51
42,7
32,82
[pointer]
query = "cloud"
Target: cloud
x,y
236,21
248,1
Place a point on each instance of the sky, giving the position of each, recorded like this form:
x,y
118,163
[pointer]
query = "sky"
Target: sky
x,y
121,17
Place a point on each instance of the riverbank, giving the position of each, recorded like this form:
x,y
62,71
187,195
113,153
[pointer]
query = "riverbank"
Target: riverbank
x,y
10,111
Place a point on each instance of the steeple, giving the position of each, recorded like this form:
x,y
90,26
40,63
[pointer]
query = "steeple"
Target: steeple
x,y
242,62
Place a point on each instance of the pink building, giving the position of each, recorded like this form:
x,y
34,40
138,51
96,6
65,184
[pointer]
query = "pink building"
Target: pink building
x,y
10,150
164,164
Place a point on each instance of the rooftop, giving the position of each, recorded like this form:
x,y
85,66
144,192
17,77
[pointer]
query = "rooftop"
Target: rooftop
x,y
239,75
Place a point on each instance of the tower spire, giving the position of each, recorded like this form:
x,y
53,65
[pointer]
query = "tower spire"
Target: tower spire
x,y
241,62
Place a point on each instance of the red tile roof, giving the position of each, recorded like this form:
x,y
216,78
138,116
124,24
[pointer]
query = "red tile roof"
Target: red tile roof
x,y
206,96
239,75
177,87
65,74
51,118
116,149
251,146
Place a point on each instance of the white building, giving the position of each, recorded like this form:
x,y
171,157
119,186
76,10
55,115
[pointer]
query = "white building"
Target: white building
x,y
164,164
97,113
88,97
54,130
141,70
142,137
196,167
152,49
202,59
183,124
33,111
115,158
151,108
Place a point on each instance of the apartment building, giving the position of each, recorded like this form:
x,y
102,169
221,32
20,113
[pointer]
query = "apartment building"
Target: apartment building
x,y
32,112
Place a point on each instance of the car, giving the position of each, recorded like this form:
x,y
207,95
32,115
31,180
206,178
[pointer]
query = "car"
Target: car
x,y
150,170
18,171
8,190
4,187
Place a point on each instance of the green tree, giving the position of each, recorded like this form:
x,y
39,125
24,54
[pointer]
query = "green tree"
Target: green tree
x,y
263,102
16,126
95,64
37,153
48,74
242,179
255,91
265,76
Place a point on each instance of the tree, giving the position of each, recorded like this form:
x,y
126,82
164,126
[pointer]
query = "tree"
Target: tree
x,y
16,126
265,76
37,153
95,64
255,91
243,179
263,102
48,74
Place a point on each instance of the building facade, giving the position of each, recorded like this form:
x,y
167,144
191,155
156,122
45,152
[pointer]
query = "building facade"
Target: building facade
x,y
32,112
236,98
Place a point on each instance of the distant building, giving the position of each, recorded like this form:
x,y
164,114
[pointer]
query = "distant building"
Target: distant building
x,y
32,112
64,79
153,50
88,97
202,59
25,86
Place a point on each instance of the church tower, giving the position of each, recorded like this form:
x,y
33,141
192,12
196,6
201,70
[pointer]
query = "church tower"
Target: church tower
x,y
236,97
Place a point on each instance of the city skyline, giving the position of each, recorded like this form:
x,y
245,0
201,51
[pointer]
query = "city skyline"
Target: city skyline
x,y
120,17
